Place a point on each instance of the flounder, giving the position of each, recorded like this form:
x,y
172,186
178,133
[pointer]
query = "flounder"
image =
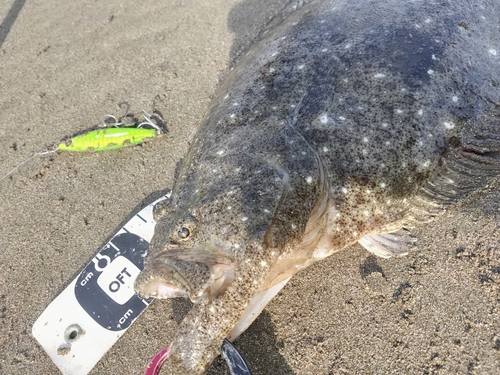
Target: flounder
x,y
347,121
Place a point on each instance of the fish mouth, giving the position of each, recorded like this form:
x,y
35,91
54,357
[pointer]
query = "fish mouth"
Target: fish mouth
x,y
151,284
190,273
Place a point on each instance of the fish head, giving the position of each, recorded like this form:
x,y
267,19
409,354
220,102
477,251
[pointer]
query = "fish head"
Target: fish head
x,y
230,218
210,246
210,226
187,258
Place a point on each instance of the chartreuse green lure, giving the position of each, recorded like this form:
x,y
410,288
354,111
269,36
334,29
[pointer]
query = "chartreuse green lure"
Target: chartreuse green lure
x,y
103,139
111,138
106,139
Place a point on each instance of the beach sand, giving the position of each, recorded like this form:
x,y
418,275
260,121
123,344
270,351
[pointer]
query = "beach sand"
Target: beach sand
x,y
65,65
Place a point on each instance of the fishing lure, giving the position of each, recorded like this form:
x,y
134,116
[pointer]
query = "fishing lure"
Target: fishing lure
x,y
234,360
111,138
103,139
106,139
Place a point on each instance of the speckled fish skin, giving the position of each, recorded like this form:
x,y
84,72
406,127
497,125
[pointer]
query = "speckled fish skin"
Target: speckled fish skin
x,y
349,118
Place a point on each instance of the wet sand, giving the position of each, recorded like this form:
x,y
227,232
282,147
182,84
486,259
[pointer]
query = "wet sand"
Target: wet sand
x,y
65,65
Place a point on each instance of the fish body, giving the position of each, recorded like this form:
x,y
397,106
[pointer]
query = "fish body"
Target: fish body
x,y
345,122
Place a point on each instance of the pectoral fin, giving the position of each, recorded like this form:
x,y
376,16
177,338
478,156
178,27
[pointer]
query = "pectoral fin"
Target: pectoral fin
x,y
386,245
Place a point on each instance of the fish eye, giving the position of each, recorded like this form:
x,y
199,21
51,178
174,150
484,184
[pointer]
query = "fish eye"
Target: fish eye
x,y
184,233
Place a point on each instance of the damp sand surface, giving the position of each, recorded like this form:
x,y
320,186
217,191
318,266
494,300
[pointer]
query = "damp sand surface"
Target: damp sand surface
x,y
65,65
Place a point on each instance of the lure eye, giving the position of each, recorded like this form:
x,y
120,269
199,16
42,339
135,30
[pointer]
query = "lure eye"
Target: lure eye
x,y
184,233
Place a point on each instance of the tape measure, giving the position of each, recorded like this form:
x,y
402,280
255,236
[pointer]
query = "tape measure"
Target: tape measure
x,y
81,324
